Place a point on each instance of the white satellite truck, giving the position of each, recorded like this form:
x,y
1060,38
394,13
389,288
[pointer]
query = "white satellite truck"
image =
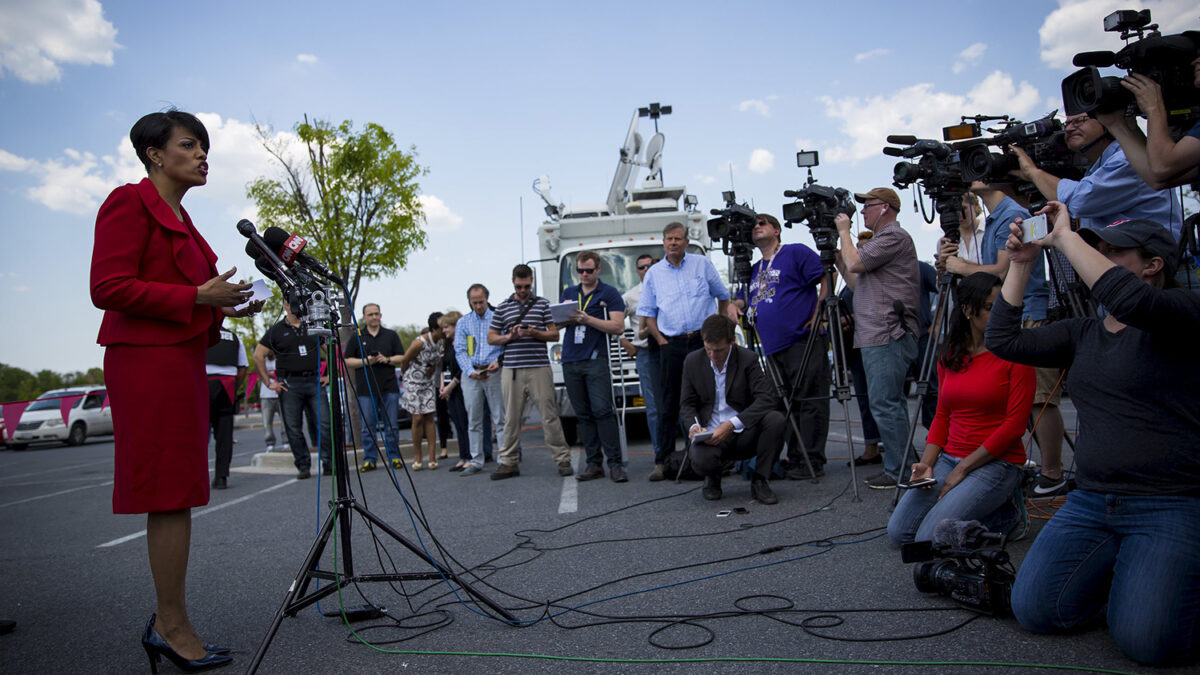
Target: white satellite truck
x,y
627,225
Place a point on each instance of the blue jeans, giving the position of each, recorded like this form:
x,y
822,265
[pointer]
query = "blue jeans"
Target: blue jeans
x,y
589,384
886,366
982,493
870,429
482,397
647,370
306,396
1137,554
367,415
457,407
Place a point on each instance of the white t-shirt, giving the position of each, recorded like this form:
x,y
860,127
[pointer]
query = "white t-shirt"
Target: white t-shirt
x,y
263,390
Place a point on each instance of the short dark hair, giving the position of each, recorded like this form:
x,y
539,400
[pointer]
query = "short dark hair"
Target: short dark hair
x,y
643,256
522,271
372,304
155,129
716,329
589,255
478,287
434,319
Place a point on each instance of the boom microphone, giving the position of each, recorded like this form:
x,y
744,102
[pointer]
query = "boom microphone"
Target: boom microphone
x,y
893,152
1098,59
902,140
291,251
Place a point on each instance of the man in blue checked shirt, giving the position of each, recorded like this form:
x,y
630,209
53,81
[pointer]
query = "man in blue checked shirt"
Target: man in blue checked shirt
x,y
480,363
677,296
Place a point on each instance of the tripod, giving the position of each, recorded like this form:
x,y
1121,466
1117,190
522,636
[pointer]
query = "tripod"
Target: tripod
x,y
831,313
342,508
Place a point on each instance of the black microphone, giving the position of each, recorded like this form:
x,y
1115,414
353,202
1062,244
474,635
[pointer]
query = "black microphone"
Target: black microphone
x,y
291,251
256,243
902,140
792,193
1098,59
265,267
893,152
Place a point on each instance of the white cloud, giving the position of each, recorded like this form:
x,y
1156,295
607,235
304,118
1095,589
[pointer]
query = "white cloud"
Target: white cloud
x,y
438,216
1077,26
757,105
36,38
921,111
703,178
870,54
761,161
971,56
20,289
306,58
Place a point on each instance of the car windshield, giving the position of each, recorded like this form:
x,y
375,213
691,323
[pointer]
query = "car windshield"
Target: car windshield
x,y
51,403
618,269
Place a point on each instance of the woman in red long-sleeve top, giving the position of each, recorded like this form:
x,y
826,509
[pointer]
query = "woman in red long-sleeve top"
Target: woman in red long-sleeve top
x,y
156,280
974,450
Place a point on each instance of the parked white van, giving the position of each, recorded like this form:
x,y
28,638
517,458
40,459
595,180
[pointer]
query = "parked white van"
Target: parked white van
x,y
43,420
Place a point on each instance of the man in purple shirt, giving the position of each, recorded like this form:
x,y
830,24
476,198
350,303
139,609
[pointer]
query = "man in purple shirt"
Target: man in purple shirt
x,y
886,281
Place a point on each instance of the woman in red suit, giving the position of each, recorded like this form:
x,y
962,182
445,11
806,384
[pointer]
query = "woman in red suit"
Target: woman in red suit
x,y
156,280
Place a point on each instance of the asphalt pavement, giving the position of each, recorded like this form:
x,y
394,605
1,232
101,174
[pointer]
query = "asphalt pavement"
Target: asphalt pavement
x,y
600,577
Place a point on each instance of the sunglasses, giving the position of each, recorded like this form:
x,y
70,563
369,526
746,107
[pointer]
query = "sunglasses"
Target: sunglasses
x,y
585,270
644,267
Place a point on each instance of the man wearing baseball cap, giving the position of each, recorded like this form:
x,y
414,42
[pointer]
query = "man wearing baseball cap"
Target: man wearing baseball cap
x,y
885,278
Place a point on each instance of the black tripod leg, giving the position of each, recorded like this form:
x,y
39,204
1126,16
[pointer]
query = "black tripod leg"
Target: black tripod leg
x,y
841,376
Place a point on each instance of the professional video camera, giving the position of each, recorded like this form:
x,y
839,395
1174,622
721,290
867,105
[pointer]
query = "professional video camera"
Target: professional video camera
x,y
940,173
956,565
1166,59
734,228
1043,140
817,206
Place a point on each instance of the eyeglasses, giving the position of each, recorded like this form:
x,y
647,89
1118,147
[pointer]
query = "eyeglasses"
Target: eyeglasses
x,y
644,267
867,206
586,270
1077,121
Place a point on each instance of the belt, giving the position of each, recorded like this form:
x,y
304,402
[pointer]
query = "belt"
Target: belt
x,y
296,373
684,336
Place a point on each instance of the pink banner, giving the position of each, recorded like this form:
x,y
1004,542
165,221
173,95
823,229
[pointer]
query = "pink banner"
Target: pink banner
x,y
12,415
65,406
105,404
251,383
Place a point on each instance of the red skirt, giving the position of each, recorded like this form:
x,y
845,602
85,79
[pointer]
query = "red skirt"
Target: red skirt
x,y
159,400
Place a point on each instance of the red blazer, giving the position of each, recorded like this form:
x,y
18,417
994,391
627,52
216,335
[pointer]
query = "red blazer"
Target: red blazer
x,y
146,266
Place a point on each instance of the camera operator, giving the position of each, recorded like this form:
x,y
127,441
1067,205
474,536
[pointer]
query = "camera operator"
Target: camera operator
x,y
884,276
785,306
1110,190
1126,539
1160,161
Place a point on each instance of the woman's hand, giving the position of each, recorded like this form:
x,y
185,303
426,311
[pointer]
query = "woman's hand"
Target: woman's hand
x,y
218,292
253,308
952,479
921,471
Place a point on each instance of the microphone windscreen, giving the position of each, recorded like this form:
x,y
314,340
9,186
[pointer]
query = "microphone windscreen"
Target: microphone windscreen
x,y
1098,59
893,152
275,236
902,140
265,267
252,250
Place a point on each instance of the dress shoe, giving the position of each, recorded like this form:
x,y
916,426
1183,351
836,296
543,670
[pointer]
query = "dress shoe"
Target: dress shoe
x,y
657,474
457,467
712,488
801,472
304,474
867,461
156,648
220,483
617,474
505,471
592,472
762,492
564,469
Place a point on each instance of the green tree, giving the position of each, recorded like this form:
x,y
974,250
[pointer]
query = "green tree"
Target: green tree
x,y
353,196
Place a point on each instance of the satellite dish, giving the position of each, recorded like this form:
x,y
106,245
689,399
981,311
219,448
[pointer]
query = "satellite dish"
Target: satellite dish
x,y
654,161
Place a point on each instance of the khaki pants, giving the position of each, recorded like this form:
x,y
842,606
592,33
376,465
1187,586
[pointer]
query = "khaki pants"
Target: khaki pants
x,y
517,385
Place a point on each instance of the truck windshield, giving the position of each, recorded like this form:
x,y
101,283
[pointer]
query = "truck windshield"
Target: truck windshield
x,y
618,269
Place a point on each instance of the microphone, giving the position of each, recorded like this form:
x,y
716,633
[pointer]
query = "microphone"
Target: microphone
x,y
291,251
793,193
893,152
1098,59
902,140
256,244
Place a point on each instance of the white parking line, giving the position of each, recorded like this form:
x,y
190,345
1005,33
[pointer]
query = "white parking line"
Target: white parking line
x,y
569,501
204,512
55,494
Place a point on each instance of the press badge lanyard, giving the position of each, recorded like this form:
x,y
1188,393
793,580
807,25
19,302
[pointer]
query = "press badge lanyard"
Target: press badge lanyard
x,y
763,281
581,330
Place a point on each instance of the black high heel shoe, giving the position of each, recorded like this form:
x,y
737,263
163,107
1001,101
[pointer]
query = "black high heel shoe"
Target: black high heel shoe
x,y
156,648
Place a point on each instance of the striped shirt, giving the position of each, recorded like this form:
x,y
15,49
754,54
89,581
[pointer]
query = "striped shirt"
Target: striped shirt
x,y
526,352
892,274
471,347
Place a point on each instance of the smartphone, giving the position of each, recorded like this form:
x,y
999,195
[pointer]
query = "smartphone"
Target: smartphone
x,y
924,482
1033,228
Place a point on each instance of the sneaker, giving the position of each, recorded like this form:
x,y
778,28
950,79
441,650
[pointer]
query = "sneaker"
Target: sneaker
x,y
761,491
1044,486
881,481
505,471
564,469
592,472
657,474
470,470
367,466
712,488
397,464
617,474
270,448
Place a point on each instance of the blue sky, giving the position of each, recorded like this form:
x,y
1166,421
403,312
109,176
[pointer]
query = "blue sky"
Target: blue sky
x,y
492,95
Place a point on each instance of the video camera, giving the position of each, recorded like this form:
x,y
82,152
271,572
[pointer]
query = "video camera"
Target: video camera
x,y
939,171
734,228
956,564
816,206
1044,140
1166,59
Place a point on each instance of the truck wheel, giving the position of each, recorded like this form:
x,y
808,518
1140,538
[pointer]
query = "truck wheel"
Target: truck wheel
x,y
570,427
78,434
